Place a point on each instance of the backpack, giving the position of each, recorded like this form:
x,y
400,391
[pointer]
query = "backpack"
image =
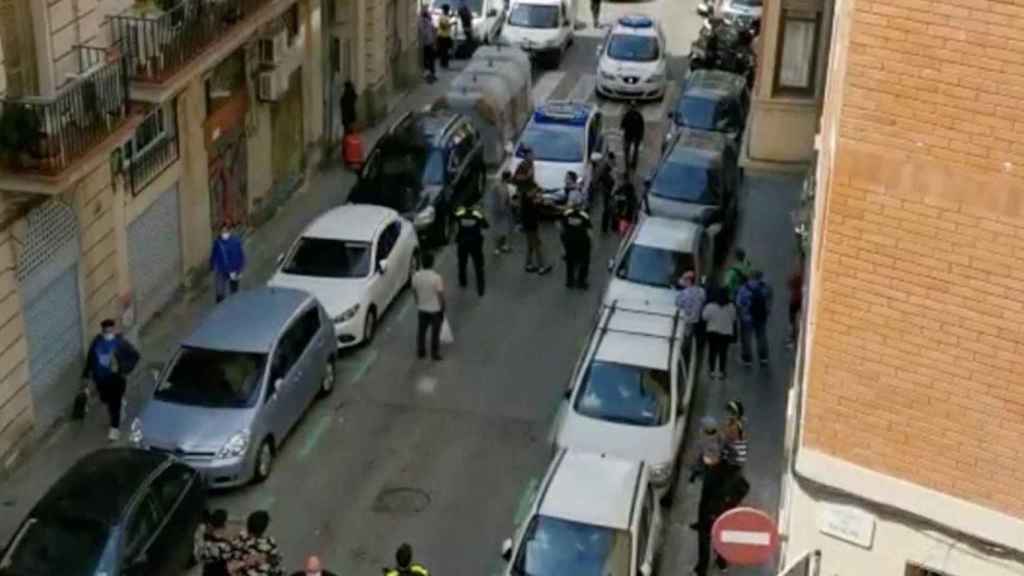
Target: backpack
x,y
758,304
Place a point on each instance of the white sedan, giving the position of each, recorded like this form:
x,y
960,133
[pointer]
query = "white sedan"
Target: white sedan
x,y
631,61
355,259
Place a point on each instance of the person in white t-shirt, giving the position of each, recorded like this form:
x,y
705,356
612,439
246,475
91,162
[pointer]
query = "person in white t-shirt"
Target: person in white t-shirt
x,y
720,318
428,290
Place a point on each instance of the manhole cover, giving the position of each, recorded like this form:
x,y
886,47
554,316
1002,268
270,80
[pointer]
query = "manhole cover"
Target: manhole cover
x,y
402,501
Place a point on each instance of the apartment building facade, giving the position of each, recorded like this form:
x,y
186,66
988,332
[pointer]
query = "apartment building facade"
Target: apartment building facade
x,y
131,131
907,412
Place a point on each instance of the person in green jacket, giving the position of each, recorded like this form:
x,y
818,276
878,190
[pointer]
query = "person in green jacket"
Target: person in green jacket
x,y
738,273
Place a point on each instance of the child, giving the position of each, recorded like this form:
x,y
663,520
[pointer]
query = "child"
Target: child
x,y
734,450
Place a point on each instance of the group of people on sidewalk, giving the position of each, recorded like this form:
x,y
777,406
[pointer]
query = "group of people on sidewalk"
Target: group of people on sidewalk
x,y
437,40
253,552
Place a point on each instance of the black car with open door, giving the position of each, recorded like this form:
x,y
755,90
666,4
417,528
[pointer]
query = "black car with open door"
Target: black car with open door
x,y
423,167
117,511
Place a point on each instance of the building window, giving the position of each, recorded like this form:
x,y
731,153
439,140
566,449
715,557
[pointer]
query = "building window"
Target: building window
x,y
913,570
798,53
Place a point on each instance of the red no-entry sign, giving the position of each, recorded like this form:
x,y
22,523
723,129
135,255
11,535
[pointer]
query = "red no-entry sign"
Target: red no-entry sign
x,y
745,536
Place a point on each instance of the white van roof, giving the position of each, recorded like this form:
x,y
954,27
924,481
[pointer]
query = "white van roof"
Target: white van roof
x,y
592,488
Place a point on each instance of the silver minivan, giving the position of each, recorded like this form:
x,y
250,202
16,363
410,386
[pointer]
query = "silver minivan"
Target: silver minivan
x,y
238,385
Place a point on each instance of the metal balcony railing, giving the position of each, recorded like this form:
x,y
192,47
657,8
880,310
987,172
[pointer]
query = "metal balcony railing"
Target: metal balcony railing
x,y
47,134
152,159
159,42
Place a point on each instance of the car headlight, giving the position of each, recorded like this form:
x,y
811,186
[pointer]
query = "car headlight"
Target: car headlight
x,y
607,75
426,216
236,445
660,473
348,314
654,78
135,433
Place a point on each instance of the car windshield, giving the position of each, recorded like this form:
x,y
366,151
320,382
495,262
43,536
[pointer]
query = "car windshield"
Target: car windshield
x,y
686,182
698,112
625,394
553,142
474,5
633,48
533,16
654,266
557,547
213,378
328,258
433,168
61,544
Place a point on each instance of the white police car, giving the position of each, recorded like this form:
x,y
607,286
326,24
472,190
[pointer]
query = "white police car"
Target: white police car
x,y
631,60
563,136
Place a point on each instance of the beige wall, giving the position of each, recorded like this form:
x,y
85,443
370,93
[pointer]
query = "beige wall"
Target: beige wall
x,y
15,397
195,190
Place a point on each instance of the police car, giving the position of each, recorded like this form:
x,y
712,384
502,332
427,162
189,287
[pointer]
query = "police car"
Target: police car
x,y
631,60
563,136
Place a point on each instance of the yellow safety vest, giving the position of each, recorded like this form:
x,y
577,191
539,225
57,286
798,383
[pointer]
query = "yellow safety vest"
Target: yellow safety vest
x,y
414,569
444,26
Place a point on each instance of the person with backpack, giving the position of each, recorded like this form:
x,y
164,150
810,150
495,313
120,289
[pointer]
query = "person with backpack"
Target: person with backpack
x,y
111,358
738,273
755,301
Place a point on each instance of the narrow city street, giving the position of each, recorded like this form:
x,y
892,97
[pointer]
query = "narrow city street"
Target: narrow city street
x,y
442,454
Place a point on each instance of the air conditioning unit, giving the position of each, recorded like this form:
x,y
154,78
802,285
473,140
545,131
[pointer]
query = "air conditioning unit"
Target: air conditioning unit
x,y
270,86
272,48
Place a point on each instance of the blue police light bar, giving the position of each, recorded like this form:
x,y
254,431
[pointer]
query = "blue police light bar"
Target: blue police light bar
x,y
563,113
636,21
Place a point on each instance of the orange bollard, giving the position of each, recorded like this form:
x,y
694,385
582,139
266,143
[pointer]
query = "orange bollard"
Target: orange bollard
x,y
352,150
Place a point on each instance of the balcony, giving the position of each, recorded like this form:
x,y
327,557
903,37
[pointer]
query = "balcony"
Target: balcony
x,y
161,41
44,137
152,149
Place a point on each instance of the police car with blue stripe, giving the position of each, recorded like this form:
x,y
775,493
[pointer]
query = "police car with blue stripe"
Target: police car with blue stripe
x,y
564,136
631,60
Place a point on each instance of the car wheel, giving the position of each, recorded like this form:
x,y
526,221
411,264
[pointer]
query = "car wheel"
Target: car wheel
x,y
370,325
264,461
327,384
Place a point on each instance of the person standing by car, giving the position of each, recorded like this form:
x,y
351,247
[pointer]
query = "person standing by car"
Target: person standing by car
x,y
734,438
795,284
466,21
348,106
720,325
500,208
624,206
754,299
738,272
444,35
111,358
595,11
470,244
632,126
691,301
428,43
428,291
227,259
530,206
254,553
576,240
722,489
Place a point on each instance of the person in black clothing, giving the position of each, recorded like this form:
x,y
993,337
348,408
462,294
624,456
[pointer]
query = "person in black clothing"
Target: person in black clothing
x,y
723,488
632,126
214,548
470,241
576,239
348,106
466,20
109,361
624,205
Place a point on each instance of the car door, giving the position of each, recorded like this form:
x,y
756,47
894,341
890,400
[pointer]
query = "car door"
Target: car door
x,y
646,531
382,285
174,498
679,420
141,554
368,186
310,326
304,376
280,406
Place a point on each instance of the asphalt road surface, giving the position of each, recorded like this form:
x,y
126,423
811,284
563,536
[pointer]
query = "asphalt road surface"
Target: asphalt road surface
x,y
441,454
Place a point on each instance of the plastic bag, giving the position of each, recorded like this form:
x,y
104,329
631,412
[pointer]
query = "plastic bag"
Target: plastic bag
x,y
446,332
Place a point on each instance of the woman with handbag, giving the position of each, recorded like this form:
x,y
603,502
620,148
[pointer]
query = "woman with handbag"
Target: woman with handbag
x,y
720,324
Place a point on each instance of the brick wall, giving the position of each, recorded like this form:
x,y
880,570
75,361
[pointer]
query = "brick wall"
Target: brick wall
x,y
918,308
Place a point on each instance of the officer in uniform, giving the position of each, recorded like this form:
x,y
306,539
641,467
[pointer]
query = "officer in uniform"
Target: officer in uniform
x,y
576,239
406,567
470,241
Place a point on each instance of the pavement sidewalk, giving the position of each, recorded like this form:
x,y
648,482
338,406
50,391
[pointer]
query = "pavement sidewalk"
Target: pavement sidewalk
x,y
59,447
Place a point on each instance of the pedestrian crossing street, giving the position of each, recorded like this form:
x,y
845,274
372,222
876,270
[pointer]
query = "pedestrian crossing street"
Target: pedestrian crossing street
x,y
572,85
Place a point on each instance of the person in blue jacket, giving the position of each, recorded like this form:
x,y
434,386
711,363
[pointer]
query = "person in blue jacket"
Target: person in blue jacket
x,y
227,259
111,358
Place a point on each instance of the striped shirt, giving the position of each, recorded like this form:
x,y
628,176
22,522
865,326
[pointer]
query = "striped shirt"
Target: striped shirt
x,y
735,449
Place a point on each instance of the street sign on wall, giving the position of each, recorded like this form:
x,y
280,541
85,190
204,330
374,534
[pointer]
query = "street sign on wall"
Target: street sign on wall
x,y
745,536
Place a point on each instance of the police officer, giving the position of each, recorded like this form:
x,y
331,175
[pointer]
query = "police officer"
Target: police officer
x,y
576,239
406,567
470,240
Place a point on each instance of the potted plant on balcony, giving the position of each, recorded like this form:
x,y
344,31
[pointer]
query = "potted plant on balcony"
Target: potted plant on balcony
x,y
19,134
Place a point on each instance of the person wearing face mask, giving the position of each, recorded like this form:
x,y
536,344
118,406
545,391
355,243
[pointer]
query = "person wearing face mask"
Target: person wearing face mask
x,y
313,568
227,259
110,360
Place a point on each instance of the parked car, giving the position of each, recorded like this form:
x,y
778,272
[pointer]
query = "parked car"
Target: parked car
x,y
632,60
711,100
117,511
426,164
741,12
653,257
697,179
355,259
239,384
544,29
592,514
565,136
629,393
488,16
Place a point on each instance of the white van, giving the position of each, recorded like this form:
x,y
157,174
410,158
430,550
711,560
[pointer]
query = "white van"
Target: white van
x,y
541,28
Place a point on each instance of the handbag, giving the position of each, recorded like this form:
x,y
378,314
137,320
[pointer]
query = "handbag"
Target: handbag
x,y
446,332
81,406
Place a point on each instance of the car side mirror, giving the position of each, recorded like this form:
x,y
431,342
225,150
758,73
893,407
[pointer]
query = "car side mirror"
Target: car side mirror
x,y
492,13
509,148
382,266
596,157
703,10
645,569
280,259
597,51
714,229
275,386
506,549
